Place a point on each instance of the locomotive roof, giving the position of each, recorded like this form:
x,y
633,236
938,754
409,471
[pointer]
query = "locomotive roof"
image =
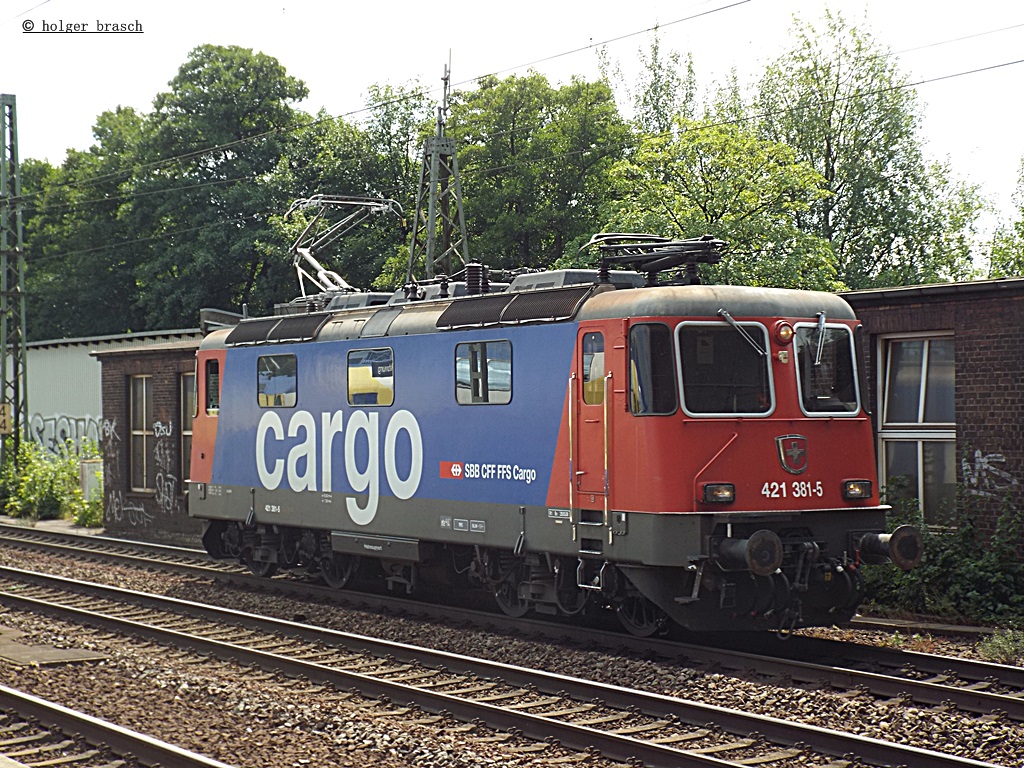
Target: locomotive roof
x,y
706,300
580,302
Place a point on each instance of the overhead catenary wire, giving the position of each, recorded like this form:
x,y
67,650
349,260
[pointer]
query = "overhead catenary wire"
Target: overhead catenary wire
x,y
417,93
508,166
421,92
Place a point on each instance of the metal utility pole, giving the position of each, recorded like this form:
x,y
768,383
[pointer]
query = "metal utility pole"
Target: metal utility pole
x,y
14,383
439,188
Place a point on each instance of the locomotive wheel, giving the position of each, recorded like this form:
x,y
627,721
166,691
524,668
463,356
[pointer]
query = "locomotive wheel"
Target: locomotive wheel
x,y
231,541
569,598
640,616
259,567
337,570
506,594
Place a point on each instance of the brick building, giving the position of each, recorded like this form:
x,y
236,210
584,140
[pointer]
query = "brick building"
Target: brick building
x,y
945,374
148,402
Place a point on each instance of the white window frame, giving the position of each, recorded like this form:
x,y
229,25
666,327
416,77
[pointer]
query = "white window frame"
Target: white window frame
x,y
140,432
918,432
186,392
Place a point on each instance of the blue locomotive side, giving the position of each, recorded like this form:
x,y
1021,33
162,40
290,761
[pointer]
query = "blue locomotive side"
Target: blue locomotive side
x,y
306,430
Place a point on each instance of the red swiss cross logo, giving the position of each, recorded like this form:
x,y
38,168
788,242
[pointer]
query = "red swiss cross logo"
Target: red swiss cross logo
x,y
451,470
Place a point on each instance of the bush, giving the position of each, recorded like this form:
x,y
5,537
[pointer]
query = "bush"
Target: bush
x,y
963,576
1004,647
45,486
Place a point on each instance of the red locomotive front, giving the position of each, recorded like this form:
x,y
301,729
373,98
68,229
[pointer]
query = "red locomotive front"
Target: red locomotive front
x,y
725,425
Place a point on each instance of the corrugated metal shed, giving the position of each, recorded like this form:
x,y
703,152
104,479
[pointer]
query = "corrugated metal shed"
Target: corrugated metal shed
x,y
64,391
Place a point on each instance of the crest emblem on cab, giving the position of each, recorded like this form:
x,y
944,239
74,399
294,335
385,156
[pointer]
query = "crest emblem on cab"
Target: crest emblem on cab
x,y
792,453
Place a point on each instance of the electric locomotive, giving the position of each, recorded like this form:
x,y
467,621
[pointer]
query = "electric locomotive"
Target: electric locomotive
x,y
573,441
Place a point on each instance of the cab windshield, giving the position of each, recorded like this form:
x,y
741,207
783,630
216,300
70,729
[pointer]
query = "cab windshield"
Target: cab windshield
x,y
725,371
827,377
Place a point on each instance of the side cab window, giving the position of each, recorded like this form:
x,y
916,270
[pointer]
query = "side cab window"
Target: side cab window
x,y
652,370
593,368
277,383
212,374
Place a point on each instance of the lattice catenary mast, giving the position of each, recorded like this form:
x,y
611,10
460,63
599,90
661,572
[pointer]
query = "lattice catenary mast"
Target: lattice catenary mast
x,y
439,189
14,384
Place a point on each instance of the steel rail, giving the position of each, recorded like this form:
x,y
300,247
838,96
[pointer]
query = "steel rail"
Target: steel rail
x,y
121,741
786,658
809,648
580,737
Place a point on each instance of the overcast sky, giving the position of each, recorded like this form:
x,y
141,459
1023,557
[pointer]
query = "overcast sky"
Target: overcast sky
x,y
967,56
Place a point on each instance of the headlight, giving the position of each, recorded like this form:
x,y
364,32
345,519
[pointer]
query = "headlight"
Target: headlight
x,y
783,332
857,489
719,493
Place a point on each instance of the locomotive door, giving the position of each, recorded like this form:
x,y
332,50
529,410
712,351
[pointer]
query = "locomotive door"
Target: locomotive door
x,y
591,423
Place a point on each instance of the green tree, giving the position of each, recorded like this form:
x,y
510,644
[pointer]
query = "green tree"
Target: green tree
x,y
81,254
665,89
398,120
202,197
534,162
1006,257
332,157
890,217
721,179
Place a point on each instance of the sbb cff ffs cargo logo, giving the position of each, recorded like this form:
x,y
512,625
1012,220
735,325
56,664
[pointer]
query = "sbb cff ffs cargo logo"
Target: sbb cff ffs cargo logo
x,y
451,470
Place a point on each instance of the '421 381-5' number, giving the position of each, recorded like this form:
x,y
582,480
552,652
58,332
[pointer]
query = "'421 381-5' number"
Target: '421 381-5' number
x,y
797,489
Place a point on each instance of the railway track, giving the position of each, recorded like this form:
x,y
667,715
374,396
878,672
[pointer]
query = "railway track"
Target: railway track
x,y
888,674
619,723
38,732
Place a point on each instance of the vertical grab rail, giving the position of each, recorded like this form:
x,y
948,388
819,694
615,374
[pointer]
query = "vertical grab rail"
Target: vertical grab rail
x,y
572,463
607,396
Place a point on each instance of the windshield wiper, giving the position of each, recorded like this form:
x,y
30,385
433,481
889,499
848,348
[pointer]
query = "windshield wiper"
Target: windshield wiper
x,y
743,332
821,338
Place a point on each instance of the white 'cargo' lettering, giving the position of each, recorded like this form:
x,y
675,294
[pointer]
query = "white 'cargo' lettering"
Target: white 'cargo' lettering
x,y
309,455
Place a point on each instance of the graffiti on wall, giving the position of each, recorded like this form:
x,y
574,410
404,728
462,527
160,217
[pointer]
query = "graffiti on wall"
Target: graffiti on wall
x,y
55,432
122,511
164,454
984,478
117,510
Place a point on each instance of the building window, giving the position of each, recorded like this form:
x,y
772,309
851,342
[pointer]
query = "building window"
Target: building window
x,y
652,374
188,412
483,373
918,429
143,469
371,377
277,381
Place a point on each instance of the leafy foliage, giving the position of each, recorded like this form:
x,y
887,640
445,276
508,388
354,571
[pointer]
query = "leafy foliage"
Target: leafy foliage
x,y
1003,647
1006,258
819,182
45,486
965,575
534,160
82,253
721,179
206,211
890,217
